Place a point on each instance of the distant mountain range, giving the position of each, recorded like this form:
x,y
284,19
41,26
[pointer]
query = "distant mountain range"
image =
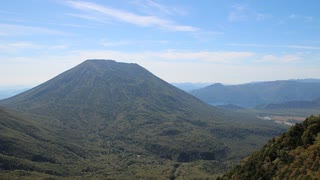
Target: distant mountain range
x,y
190,86
254,94
108,120
293,155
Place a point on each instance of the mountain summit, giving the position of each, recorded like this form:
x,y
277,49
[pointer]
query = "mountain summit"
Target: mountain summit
x,y
132,123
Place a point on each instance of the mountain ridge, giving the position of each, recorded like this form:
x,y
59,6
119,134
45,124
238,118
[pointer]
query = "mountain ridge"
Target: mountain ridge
x,y
252,94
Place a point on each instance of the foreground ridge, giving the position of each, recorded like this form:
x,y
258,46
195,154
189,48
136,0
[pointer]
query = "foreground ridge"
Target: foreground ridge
x,y
293,155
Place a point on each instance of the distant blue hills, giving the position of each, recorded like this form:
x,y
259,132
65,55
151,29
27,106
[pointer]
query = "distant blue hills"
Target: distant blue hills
x,y
260,93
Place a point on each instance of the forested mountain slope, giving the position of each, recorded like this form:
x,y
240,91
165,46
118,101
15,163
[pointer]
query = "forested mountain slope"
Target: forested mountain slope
x,y
293,155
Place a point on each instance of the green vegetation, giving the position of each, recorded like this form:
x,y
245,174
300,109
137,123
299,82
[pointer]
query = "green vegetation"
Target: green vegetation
x,y
104,119
283,112
293,155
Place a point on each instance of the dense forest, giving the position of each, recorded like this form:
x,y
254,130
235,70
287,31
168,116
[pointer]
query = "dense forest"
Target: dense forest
x,y
293,155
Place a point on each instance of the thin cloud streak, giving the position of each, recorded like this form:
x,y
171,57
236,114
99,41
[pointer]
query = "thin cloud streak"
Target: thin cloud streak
x,y
305,18
13,29
277,46
242,12
153,7
305,47
123,16
107,43
279,59
17,46
238,13
170,56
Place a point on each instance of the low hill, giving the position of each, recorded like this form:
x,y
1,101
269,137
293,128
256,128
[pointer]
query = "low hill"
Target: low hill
x,y
253,94
293,155
118,120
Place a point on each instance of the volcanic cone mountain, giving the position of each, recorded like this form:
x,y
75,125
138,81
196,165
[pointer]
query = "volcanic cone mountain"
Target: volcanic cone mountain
x,y
119,120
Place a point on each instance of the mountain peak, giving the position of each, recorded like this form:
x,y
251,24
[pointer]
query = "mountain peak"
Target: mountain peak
x,y
106,66
103,62
100,60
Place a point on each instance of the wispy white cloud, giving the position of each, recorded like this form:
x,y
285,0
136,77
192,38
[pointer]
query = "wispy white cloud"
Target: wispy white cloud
x,y
304,18
241,12
206,36
226,73
108,43
8,12
71,25
218,57
24,45
279,59
184,56
262,16
13,29
114,43
58,47
171,55
102,13
292,16
91,17
152,7
238,13
250,45
277,46
304,47
17,46
235,16
3,34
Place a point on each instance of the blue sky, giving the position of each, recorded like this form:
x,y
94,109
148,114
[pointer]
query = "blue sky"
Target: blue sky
x,y
179,41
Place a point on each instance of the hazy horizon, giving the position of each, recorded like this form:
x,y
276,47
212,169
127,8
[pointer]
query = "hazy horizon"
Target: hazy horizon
x,y
230,42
